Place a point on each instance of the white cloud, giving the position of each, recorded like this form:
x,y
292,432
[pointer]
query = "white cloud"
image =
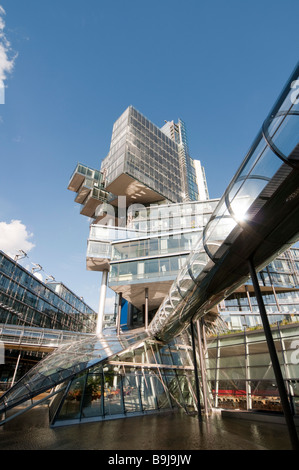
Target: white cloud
x,y
14,237
7,60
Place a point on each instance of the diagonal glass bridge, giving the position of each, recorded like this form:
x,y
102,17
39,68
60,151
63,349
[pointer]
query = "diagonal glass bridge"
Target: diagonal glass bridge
x,y
256,219
68,361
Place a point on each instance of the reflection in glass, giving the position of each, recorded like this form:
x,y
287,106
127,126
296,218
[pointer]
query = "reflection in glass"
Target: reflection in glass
x,y
92,403
131,391
148,396
71,407
113,402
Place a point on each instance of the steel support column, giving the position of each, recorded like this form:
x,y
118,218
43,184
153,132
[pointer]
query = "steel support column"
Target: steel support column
x,y
274,359
247,373
16,370
103,290
118,313
146,309
195,372
200,327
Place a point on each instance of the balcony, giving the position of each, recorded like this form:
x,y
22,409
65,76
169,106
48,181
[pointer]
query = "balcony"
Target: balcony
x,y
98,255
112,233
89,186
93,200
82,172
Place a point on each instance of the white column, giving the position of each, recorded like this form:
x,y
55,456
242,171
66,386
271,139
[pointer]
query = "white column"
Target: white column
x,y
146,309
16,369
202,366
102,302
118,313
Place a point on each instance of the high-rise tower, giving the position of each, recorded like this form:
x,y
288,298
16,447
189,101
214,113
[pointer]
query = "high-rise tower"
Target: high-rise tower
x,y
148,164
193,180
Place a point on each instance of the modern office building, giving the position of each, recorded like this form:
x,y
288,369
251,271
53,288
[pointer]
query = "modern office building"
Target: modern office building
x,y
35,317
148,164
151,187
27,301
177,262
279,283
141,245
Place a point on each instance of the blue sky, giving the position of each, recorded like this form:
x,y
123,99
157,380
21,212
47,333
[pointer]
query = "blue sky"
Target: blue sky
x,y
76,66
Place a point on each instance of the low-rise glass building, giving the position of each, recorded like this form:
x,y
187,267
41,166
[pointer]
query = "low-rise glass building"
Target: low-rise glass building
x,y
31,311
25,300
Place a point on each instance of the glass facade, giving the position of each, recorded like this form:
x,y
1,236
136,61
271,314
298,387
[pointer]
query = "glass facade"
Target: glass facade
x,y
152,247
154,268
113,165
239,371
66,362
279,284
89,186
143,151
109,377
25,346
193,181
35,318
148,378
161,218
87,174
152,157
25,300
188,171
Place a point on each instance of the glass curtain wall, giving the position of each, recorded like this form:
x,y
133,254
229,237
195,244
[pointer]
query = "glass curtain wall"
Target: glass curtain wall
x,y
240,373
279,284
152,157
157,246
148,378
112,166
155,268
156,218
25,300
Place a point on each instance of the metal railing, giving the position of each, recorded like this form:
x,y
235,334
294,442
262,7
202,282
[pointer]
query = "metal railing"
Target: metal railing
x,y
37,337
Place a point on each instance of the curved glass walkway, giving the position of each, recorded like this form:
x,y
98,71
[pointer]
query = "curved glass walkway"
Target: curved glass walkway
x,y
66,362
256,218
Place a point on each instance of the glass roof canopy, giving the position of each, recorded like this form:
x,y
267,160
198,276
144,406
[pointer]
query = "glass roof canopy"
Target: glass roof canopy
x,y
66,362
